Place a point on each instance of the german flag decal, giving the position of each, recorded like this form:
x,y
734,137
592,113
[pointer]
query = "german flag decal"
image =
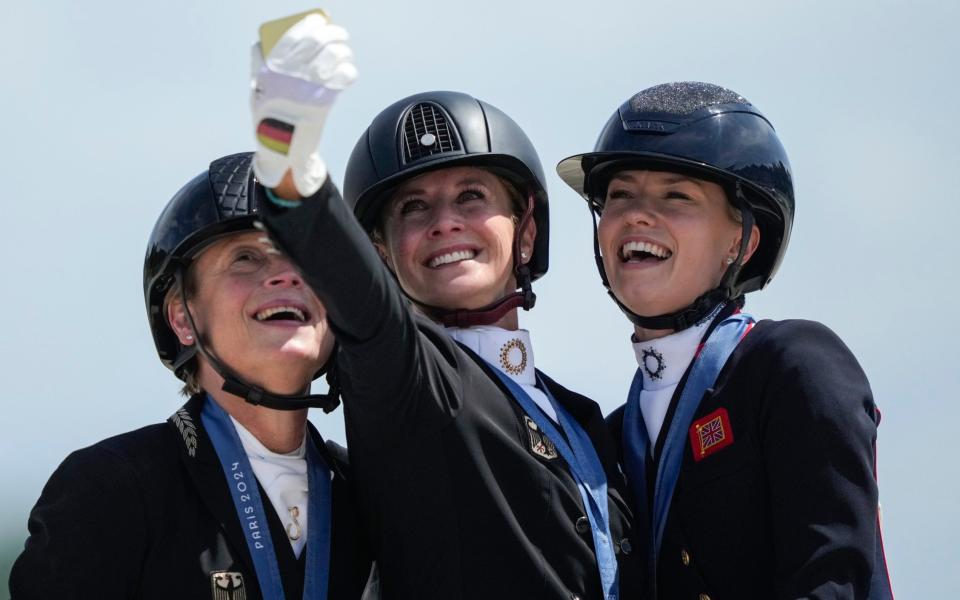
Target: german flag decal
x,y
275,135
710,434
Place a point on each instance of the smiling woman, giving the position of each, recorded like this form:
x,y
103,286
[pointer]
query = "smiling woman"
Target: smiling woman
x,y
749,446
235,491
475,470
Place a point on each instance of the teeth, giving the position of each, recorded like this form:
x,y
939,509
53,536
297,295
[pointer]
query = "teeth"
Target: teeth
x,y
648,247
266,313
451,257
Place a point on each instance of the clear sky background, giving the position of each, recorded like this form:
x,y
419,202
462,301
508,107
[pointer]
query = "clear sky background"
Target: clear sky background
x,y
109,107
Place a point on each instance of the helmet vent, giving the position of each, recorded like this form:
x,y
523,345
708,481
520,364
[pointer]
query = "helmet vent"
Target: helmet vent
x,y
427,131
683,98
229,177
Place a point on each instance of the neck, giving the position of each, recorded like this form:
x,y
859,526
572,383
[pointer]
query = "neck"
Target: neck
x,y
509,321
279,431
645,335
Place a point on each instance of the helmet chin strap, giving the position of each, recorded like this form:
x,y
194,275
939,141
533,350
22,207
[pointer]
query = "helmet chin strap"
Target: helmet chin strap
x,y
233,384
704,305
493,312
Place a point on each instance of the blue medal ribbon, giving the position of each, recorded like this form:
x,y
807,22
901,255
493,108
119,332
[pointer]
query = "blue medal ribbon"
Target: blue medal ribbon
x,y
703,374
578,451
253,518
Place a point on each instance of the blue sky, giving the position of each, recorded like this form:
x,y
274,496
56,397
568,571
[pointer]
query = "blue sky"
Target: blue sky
x,y
110,107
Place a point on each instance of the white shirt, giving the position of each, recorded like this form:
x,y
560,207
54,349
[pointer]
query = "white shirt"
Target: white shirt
x,y
663,362
511,353
284,479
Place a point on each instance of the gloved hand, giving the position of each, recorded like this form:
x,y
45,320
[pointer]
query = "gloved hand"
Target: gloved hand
x,y
294,87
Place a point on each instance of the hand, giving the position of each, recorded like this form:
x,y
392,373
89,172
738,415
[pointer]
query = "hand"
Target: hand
x,y
294,87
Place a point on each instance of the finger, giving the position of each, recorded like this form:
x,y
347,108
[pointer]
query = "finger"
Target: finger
x,y
322,68
344,75
305,40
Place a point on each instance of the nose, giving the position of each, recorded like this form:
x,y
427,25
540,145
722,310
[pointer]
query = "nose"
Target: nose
x,y
284,276
447,219
641,211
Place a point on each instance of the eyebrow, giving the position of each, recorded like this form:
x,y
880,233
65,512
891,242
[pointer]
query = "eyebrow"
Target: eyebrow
x,y
460,183
671,179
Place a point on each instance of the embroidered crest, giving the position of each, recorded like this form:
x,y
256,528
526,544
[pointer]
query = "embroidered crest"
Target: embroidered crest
x,y
710,434
514,367
227,585
188,430
540,444
653,363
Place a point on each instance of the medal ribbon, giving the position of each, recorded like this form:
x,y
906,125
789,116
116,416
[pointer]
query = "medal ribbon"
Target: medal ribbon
x,y
636,442
253,518
578,451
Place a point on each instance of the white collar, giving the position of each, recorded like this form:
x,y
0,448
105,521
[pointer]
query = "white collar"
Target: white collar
x,y
509,351
663,361
255,448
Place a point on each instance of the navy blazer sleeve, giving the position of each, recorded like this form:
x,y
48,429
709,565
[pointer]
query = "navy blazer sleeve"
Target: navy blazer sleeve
x,y
386,354
818,427
87,532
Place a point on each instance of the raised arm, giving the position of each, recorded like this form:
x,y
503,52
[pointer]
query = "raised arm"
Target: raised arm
x,y
383,357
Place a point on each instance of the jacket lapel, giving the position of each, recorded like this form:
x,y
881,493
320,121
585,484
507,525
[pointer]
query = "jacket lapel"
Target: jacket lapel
x,y
201,462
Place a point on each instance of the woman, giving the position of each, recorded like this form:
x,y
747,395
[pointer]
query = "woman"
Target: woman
x,y
236,495
477,474
749,447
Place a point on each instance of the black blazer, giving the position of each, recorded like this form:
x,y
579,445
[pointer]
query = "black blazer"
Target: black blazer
x,y
147,514
457,502
789,508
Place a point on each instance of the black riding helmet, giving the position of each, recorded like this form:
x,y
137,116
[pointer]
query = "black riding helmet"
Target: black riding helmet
x,y
224,199
712,133
436,130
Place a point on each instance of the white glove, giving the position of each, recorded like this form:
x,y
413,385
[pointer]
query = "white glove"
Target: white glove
x,y
294,87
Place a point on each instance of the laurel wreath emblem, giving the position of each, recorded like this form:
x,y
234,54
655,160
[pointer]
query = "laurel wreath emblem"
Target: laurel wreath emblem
x,y
188,429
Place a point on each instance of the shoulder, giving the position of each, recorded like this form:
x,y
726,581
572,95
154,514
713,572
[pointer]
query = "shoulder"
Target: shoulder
x,y
806,365
794,346
122,464
792,333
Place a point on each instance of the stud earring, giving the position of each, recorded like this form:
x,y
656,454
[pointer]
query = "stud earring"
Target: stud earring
x,y
523,255
729,260
189,337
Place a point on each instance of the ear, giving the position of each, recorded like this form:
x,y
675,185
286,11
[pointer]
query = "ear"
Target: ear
x,y
751,244
527,238
381,247
177,318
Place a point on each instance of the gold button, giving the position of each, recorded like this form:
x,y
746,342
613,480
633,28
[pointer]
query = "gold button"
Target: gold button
x,y
685,559
704,597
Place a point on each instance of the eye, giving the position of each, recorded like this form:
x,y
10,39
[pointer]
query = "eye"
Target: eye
x,y
618,194
470,194
246,258
411,205
677,195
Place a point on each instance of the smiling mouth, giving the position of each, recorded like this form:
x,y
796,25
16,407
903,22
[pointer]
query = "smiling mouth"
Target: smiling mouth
x,y
636,252
451,257
281,313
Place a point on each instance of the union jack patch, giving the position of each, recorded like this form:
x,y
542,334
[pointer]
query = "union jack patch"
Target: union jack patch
x,y
710,434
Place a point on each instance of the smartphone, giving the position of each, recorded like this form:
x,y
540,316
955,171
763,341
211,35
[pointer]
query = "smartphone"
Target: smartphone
x,y
272,31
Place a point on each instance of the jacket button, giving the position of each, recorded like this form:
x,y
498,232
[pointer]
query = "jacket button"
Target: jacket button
x,y
685,559
625,546
582,525
704,597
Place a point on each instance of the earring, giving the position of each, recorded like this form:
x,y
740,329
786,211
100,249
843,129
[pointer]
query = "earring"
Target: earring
x,y
523,255
189,337
729,260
